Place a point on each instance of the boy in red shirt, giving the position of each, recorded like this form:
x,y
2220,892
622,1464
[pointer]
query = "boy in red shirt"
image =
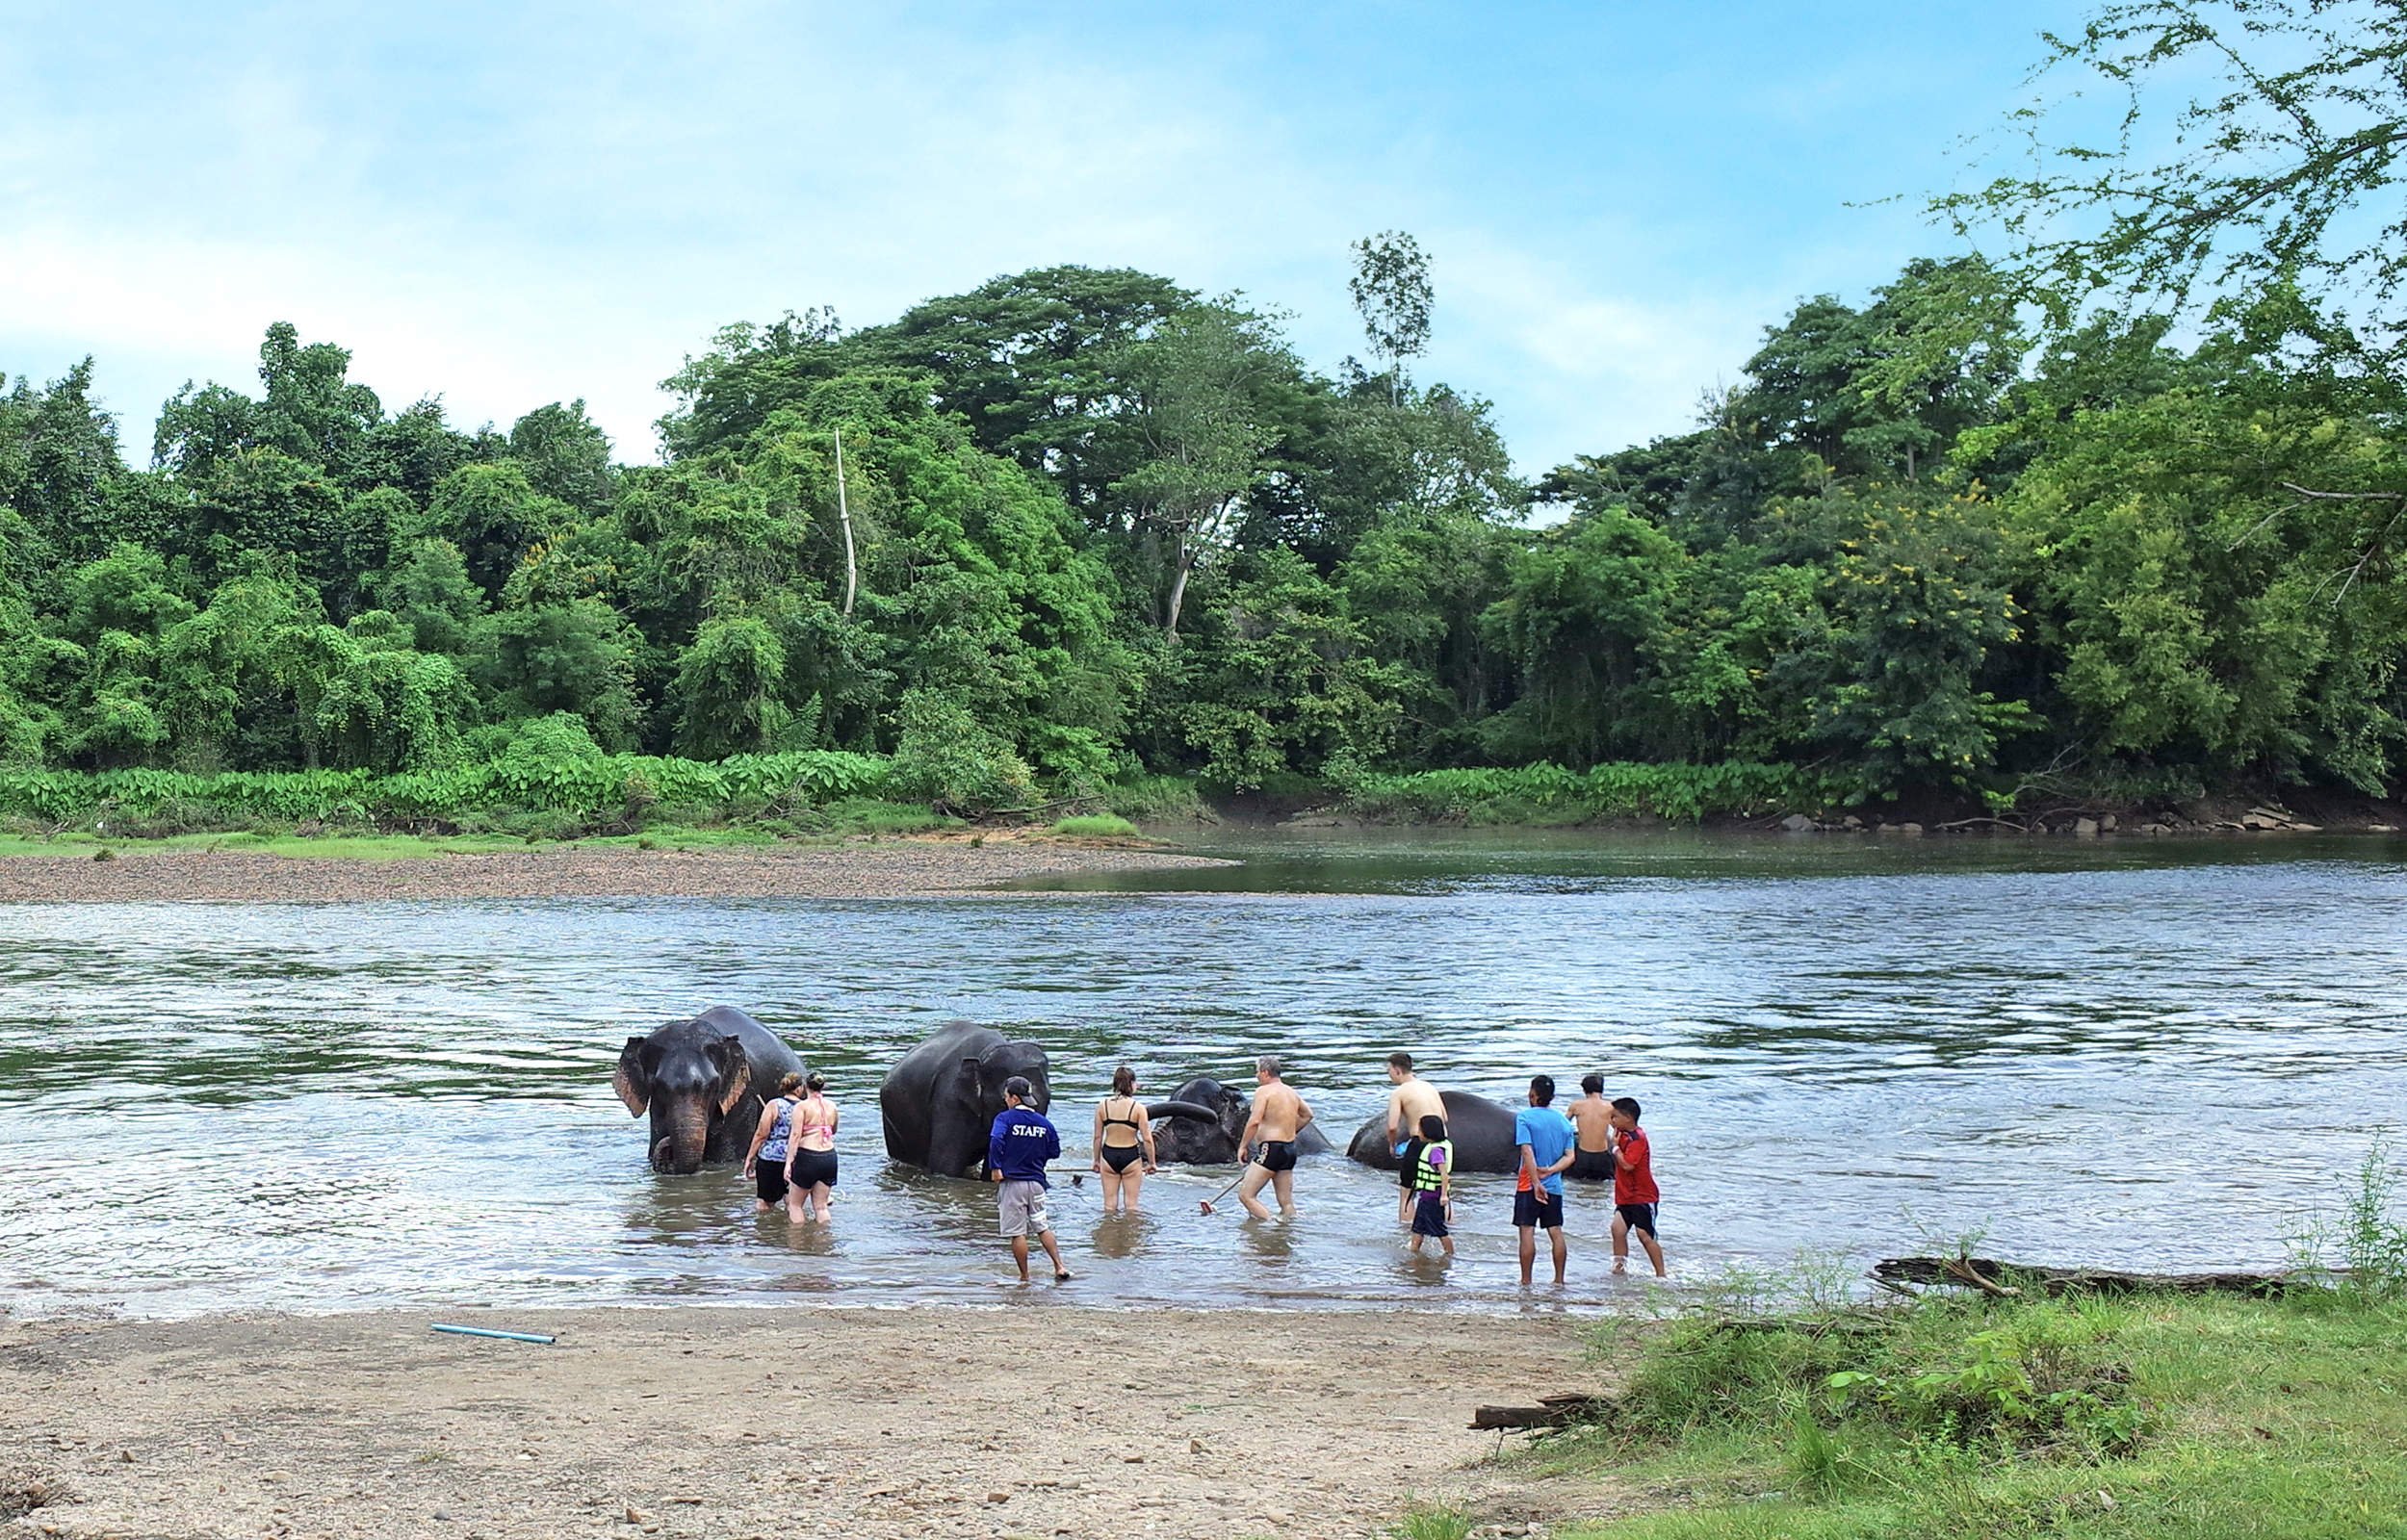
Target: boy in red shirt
x,y
1634,1192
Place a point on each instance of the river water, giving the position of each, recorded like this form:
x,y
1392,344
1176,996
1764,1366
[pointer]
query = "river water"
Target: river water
x,y
2158,1054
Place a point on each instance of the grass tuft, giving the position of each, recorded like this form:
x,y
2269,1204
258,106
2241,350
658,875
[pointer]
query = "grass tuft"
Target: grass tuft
x,y
1097,826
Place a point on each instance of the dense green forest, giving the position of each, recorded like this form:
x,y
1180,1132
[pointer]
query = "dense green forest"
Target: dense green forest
x,y
1974,534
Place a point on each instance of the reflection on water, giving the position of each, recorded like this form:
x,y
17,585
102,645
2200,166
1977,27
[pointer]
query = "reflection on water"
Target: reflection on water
x,y
2148,1054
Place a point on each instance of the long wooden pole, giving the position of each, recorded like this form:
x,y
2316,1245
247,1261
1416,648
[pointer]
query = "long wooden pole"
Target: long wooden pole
x,y
843,513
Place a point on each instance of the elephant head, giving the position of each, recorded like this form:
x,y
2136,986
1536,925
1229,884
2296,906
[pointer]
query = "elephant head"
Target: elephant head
x,y
985,1076
1199,1125
688,1075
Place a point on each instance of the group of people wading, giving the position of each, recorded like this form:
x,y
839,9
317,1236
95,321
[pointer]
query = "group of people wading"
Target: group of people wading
x,y
792,1159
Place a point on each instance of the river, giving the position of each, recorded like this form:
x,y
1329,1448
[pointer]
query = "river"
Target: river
x,y
2145,1054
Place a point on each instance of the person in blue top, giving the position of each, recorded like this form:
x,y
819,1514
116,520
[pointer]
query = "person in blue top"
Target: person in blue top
x,y
1017,1150
1544,1136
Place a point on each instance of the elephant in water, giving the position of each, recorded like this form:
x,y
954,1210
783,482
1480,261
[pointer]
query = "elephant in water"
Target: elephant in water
x,y
1203,1120
940,1100
1481,1131
703,1081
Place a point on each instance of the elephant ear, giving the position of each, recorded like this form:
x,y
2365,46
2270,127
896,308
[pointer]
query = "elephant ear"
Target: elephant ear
x,y
633,1085
738,1075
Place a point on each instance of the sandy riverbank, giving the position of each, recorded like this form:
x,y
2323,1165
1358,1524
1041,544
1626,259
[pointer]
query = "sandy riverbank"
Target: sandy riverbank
x,y
1030,1420
896,868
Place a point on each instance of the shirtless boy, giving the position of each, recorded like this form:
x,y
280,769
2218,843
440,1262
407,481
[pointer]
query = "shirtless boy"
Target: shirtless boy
x,y
1413,1100
1278,1116
1592,1128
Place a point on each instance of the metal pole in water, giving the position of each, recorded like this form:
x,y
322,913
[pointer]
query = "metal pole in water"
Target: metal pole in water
x,y
506,1336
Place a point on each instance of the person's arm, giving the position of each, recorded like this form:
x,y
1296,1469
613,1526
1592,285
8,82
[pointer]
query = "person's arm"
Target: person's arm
x,y
1529,1166
1145,1135
1395,1113
1245,1140
995,1148
1099,1138
759,1135
1303,1114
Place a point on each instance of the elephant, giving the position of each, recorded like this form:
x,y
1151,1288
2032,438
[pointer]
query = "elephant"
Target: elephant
x,y
940,1100
1203,1120
1481,1131
703,1080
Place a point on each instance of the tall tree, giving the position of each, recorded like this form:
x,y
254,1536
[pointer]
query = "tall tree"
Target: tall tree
x,y
1393,293
1198,378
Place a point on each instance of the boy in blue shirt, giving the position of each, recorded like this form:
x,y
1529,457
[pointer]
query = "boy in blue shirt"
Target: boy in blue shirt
x,y
1016,1149
1544,1136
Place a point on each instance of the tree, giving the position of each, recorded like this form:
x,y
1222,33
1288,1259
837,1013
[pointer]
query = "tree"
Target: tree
x,y
1032,361
565,456
1198,378
2278,174
1393,293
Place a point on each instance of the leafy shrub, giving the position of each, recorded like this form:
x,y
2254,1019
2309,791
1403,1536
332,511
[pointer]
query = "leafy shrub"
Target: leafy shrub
x,y
1157,799
1548,793
552,772
944,756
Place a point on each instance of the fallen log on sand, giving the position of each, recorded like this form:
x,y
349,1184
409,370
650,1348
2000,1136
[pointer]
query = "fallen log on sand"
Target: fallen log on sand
x,y
2012,1278
1551,1411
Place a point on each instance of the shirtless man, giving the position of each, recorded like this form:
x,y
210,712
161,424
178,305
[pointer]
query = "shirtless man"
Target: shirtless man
x,y
1413,1100
1278,1116
1591,1126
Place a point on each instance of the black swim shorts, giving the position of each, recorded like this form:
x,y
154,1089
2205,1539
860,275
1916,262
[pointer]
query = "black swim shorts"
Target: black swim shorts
x,y
813,1167
1527,1210
1429,1215
1120,1157
1275,1154
1591,1165
768,1178
1639,1215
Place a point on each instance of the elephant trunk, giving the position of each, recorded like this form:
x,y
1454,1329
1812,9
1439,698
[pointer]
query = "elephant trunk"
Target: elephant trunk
x,y
1182,1108
680,1152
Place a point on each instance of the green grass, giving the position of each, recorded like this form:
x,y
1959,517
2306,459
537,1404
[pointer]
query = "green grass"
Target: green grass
x,y
1097,826
2157,1417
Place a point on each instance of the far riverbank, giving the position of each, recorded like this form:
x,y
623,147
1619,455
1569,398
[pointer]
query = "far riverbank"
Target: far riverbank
x,y
369,871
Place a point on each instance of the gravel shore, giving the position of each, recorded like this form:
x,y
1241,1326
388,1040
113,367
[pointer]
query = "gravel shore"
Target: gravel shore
x,y
893,868
878,1425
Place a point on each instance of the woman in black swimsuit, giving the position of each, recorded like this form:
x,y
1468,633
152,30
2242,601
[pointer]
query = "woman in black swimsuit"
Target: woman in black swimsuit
x,y
1123,1136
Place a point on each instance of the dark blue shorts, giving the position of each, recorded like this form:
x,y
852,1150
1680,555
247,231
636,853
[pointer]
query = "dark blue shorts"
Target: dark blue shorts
x,y
1528,1211
1429,1215
1639,1215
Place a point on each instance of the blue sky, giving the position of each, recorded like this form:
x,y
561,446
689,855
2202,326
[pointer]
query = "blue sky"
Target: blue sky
x,y
508,204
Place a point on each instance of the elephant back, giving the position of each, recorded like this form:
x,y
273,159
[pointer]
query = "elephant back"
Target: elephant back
x,y
1482,1132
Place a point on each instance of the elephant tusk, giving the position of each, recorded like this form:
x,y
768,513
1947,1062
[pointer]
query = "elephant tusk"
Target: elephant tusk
x,y
1182,1108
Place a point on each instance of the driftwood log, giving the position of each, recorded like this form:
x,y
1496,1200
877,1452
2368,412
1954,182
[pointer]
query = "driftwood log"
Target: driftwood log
x,y
1551,1411
2012,1278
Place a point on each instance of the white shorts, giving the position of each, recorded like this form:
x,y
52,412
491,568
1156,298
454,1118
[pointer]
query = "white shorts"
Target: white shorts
x,y
1020,1207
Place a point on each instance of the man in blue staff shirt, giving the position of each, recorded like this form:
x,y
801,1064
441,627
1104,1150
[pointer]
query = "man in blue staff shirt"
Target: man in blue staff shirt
x,y
1544,1136
1016,1149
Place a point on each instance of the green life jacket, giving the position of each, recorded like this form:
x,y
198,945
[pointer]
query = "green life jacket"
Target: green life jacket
x,y
1427,1177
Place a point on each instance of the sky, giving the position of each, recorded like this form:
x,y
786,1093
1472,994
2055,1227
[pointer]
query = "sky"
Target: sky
x,y
506,204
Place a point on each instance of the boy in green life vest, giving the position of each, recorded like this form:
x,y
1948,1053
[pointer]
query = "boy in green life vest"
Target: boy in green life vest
x,y
1432,1158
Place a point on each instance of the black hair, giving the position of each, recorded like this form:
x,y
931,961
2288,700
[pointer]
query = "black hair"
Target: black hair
x,y
1593,1085
1541,1088
1626,1104
1400,1061
815,1081
1123,1081
1432,1128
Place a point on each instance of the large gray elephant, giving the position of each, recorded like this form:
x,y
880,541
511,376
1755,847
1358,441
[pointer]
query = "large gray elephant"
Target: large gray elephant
x,y
1203,1120
1481,1131
703,1080
940,1100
